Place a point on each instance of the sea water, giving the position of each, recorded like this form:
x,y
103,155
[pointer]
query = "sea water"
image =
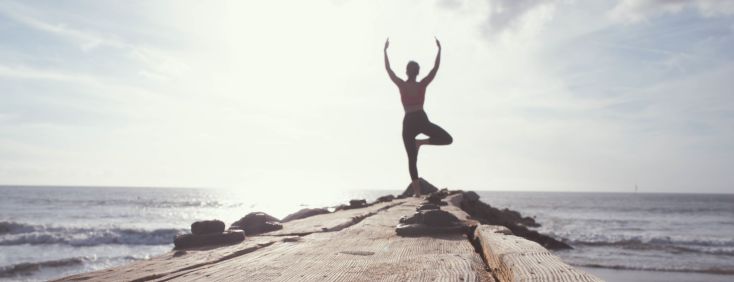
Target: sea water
x,y
51,232
638,232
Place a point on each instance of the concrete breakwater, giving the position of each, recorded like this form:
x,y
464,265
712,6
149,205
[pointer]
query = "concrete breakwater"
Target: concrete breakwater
x,y
359,244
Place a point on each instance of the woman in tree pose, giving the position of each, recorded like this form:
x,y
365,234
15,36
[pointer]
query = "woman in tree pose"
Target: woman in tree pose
x,y
412,94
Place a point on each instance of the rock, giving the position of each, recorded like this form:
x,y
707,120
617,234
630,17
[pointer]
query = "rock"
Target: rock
x,y
415,218
432,217
207,227
193,240
439,218
529,221
487,214
453,192
386,198
470,196
515,216
357,203
427,206
426,188
256,223
354,204
304,213
437,196
429,222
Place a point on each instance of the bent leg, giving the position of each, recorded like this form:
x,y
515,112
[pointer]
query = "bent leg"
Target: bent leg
x,y
437,135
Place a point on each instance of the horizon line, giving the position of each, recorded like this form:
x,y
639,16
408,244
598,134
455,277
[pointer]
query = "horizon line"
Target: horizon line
x,y
374,189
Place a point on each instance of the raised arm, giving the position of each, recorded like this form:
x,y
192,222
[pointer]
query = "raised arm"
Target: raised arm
x,y
395,79
426,80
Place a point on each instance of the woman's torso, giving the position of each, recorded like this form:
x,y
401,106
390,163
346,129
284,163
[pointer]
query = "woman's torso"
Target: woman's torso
x,y
412,95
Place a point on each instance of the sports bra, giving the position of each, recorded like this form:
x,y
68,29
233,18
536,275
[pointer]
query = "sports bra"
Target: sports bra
x,y
412,94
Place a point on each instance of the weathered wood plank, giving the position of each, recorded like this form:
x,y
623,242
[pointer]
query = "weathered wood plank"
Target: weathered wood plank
x,y
332,221
367,251
514,258
173,262
176,262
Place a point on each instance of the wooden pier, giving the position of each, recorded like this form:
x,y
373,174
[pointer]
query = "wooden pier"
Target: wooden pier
x,y
356,245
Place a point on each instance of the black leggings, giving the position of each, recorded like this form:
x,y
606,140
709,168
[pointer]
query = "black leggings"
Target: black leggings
x,y
416,123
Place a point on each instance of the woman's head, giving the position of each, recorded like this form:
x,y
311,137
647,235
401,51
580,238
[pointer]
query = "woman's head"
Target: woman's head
x,y
412,69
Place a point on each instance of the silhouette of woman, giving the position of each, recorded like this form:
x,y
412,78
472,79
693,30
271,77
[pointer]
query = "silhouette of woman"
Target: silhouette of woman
x,y
412,95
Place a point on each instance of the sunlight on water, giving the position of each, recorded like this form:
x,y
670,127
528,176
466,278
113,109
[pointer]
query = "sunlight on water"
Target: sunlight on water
x,y
66,230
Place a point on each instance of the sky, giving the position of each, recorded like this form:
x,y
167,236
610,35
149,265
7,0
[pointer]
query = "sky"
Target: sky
x,y
549,95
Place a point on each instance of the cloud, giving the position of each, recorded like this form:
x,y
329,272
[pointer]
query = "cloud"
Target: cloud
x,y
508,15
633,11
156,63
87,40
242,95
503,18
38,74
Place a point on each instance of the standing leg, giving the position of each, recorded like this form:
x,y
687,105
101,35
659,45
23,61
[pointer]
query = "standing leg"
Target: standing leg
x,y
411,149
436,136
409,142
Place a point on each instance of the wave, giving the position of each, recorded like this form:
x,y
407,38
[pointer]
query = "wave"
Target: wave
x,y
148,203
29,268
713,270
136,202
714,247
14,227
13,233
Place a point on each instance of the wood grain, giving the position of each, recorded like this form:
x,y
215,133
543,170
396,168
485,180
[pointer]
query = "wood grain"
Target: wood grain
x,y
367,251
513,258
182,261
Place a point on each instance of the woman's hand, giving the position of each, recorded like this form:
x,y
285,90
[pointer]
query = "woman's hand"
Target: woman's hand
x,y
387,43
438,43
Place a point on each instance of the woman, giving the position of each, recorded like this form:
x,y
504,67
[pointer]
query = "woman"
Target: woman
x,y
412,94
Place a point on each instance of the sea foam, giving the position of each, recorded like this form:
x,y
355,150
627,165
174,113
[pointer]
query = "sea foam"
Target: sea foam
x,y
14,233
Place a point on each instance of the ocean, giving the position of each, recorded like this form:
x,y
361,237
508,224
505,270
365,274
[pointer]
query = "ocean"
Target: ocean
x,y
635,236
51,232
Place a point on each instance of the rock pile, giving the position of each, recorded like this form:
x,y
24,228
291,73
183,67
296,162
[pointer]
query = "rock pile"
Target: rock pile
x,y
426,188
206,233
429,219
518,224
437,197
